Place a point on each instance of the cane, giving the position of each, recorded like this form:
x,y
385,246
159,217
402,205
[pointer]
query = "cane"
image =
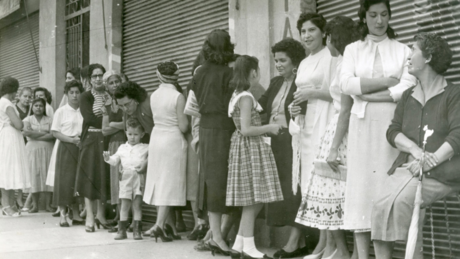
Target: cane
x,y
413,230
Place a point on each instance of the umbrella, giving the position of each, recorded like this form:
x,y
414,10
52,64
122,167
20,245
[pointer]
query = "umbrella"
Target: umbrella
x,y
413,229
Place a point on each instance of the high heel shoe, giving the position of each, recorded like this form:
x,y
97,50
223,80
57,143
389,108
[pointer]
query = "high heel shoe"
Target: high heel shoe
x,y
235,254
246,256
215,248
99,223
77,222
158,232
56,214
198,233
10,214
89,229
170,233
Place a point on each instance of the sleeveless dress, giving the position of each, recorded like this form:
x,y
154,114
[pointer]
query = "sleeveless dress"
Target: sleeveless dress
x,y
252,174
14,169
322,206
39,154
165,180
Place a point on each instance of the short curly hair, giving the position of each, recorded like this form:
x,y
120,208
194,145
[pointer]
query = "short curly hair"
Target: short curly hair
x,y
75,72
73,83
343,31
49,97
132,90
9,85
167,68
93,67
134,123
317,19
217,48
435,46
292,48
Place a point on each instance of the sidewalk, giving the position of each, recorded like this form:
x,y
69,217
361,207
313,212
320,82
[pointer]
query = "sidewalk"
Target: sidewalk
x,y
38,236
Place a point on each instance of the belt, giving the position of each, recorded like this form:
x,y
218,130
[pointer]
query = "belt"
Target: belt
x,y
94,130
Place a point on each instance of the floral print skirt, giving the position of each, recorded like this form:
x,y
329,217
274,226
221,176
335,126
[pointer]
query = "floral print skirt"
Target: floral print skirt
x,y
322,204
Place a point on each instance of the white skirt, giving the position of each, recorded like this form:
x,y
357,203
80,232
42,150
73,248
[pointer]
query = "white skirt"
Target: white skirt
x,y
52,165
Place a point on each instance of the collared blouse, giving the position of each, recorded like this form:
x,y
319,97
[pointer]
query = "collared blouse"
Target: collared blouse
x,y
68,121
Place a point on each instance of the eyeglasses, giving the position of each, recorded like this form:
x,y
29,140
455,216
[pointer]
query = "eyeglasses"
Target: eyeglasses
x,y
126,105
96,76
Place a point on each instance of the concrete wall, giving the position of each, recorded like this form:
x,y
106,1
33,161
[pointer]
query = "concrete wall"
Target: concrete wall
x,y
255,26
52,47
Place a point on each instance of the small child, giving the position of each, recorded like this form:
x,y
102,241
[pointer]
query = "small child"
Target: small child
x,y
133,158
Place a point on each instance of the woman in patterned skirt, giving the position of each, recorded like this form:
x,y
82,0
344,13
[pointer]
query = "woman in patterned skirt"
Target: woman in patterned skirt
x,y
322,207
252,174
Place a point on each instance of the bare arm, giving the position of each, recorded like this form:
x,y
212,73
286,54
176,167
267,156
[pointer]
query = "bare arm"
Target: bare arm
x,y
245,104
46,137
372,85
16,122
106,129
302,95
117,125
181,117
381,96
64,138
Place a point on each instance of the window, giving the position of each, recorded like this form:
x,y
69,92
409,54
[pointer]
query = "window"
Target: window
x,y
77,33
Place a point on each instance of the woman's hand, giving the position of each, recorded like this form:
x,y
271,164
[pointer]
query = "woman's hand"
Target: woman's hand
x,y
294,110
333,160
106,155
104,110
302,95
430,161
76,140
414,167
274,129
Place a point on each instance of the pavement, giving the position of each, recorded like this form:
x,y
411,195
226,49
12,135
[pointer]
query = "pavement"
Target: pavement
x,y
39,236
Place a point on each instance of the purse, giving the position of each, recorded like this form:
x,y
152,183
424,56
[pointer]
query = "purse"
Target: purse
x,y
322,168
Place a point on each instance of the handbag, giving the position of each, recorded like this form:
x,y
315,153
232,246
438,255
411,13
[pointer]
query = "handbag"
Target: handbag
x,y
322,168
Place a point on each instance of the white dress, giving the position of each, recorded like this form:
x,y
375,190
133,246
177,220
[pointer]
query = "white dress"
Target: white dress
x,y
315,72
165,181
369,154
14,166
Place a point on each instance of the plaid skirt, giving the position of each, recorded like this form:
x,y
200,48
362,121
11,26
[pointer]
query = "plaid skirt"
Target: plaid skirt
x,y
252,175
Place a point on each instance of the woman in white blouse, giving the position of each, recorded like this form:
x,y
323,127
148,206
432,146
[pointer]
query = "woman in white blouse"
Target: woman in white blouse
x,y
313,79
375,75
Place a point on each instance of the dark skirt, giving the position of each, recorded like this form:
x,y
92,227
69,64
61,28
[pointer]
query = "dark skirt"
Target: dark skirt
x,y
214,153
93,181
65,174
283,213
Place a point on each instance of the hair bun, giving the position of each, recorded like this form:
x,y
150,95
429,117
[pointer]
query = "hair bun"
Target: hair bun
x,y
167,68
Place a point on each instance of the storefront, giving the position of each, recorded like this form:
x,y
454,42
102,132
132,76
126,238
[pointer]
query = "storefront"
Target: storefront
x,y
442,229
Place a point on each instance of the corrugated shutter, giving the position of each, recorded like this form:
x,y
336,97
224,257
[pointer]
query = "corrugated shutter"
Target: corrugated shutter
x,y
17,56
156,31
408,18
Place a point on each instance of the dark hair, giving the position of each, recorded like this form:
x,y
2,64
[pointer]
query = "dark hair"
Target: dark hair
x,y
317,19
243,66
168,68
73,83
199,60
25,88
293,49
93,67
435,46
75,72
84,73
343,31
8,85
134,123
48,96
363,8
36,100
132,90
218,48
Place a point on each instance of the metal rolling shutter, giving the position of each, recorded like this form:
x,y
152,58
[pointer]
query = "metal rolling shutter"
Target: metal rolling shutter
x,y
409,18
156,31
17,57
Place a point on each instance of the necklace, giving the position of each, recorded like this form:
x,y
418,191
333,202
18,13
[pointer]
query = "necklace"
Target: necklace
x,y
288,84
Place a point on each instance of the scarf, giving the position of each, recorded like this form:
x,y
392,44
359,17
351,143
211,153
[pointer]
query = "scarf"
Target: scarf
x,y
169,79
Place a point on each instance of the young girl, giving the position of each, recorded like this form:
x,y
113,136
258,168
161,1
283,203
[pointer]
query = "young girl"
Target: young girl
x,y
14,173
252,175
39,147
133,157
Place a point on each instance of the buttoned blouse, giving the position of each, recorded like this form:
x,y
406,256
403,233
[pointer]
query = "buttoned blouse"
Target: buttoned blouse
x,y
68,121
359,61
131,157
44,125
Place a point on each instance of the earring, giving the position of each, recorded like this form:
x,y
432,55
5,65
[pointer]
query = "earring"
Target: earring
x,y
294,71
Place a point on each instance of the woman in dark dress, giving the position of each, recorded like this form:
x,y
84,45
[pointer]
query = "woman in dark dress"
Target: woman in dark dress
x,y
288,54
92,181
210,85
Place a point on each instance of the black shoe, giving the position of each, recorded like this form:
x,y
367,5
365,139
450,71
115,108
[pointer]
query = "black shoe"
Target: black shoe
x,y
113,229
77,222
198,233
158,232
56,214
99,223
170,233
121,234
137,230
215,249
246,256
235,254
64,224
